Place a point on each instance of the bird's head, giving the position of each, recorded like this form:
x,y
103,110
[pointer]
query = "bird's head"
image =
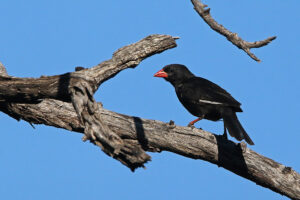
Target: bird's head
x,y
174,73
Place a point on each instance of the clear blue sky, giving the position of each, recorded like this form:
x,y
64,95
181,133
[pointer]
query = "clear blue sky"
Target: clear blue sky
x,y
52,37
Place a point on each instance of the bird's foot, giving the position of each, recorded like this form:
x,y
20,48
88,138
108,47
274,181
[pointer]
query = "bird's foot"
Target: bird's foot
x,y
191,125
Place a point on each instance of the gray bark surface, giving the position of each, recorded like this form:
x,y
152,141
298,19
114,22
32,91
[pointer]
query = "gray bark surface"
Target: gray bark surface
x,y
66,101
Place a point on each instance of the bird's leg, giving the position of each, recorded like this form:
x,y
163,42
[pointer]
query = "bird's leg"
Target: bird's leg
x,y
225,132
191,124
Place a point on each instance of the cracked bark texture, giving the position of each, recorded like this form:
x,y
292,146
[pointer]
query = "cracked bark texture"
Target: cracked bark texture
x,y
66,101
78,87
232,37
156,136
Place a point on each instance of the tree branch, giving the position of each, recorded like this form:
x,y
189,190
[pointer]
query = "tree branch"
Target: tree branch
x,y
232,37
78,87
127,138
2,70
59,87
188,142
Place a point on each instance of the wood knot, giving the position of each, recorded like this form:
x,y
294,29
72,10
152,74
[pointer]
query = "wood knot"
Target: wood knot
x,y
206,11
287,170
79,68
171,124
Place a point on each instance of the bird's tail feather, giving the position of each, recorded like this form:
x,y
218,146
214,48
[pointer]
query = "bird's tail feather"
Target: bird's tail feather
x,y
234,127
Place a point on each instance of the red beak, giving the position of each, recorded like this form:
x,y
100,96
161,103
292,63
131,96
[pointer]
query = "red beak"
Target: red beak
x,y
161,73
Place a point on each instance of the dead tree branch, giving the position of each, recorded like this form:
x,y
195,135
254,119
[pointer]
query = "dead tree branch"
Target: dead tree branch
x,y
78,87
156,136
67,102
2,70
232,37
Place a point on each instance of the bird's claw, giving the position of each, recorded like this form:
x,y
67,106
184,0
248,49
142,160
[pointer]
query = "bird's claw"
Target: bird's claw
x,y
191,125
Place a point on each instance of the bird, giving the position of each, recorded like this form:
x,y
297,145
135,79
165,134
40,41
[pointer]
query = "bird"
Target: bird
x,y
205,99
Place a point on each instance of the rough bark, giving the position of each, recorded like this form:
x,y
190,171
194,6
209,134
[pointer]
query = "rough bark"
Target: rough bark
x,y
232,37
70,105
58,87
2,70
78,87
156,136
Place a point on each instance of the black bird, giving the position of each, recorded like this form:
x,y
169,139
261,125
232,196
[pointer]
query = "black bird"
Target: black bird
x,y
205,99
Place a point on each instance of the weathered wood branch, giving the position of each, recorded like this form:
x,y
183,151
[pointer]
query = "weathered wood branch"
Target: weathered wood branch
x,y
232,37
78,87
129,57
2,70
71,106
58,87
156,136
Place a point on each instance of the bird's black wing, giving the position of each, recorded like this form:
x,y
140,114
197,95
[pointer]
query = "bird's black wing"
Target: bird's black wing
x,y
198,90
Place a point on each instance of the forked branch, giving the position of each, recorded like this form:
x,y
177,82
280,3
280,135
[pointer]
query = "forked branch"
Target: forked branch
x,y
232,37
66,101
78,87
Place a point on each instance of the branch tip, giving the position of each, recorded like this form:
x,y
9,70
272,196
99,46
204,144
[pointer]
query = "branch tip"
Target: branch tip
x,y
3,71
232,37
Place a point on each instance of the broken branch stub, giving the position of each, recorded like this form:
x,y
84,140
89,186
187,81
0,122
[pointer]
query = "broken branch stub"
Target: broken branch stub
x,y
85,82
137,135
79,87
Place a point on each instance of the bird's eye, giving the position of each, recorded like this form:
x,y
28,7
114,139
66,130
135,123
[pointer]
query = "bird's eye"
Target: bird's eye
x,y
168,70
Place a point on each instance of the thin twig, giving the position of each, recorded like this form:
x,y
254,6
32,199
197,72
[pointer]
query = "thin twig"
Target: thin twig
x,y
232,37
